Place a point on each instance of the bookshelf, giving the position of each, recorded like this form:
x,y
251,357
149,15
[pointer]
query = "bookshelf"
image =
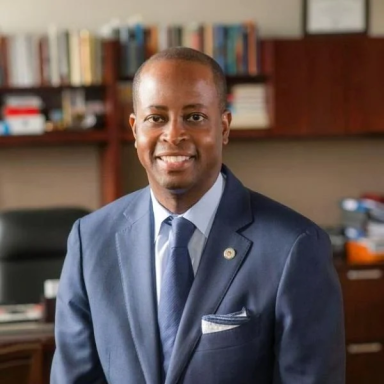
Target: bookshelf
x,y
300,80
106,138
55,138
236,134
47,88
318,88
115,133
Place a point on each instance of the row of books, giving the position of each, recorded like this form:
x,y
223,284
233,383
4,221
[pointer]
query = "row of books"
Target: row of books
x,y
60,57
236,47
75,57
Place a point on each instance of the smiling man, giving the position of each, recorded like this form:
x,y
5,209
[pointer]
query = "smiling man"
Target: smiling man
x,y
195,279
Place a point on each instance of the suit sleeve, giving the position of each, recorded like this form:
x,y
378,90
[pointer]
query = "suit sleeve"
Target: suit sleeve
x,y
75,359
309,331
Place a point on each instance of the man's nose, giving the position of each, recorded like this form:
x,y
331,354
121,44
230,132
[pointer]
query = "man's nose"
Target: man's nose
x,y
174,131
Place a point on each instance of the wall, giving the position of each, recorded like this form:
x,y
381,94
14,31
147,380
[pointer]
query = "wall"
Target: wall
x,y
281,16
32,177
310,176
276,17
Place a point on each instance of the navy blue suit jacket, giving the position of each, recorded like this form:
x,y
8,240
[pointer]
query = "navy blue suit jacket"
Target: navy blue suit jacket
x,y
106,319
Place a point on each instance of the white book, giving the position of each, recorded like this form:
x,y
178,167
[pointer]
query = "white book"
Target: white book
x,y
54,55
255,120
163,37
13,67
74,55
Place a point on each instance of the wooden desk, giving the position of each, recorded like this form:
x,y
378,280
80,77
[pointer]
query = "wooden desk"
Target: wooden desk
x,y
11,334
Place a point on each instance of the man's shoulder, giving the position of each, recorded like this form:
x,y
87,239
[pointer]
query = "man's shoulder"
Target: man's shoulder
x,y
269,215
279,216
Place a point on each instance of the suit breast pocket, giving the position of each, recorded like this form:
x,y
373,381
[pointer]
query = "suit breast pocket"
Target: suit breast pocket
x,y
242,334
230,356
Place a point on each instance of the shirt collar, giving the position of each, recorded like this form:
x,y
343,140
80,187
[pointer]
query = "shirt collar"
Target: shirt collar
x,y
199,214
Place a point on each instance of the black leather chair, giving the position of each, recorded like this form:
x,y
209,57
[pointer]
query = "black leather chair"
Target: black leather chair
x,y
33,245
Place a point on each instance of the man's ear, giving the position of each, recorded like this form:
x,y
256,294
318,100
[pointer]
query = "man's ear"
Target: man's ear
x,y
132,123
226,119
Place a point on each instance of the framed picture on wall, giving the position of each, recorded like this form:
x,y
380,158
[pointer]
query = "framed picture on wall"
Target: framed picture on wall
x,y
325,17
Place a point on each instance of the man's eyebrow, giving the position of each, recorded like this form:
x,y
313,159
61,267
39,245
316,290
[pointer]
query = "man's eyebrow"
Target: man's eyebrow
x,y
188,106
194,106
155,106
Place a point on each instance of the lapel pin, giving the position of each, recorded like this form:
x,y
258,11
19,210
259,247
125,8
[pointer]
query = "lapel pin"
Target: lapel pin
x,y
229,253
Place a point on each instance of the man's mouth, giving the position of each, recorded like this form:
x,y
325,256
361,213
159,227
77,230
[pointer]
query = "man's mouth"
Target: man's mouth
x,y
175,159
177,163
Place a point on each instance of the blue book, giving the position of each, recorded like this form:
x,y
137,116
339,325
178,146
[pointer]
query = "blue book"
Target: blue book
x,y
219,34
244,33
230,64
140,44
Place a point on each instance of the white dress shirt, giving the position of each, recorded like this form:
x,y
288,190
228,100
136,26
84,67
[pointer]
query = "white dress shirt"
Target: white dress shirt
x,y
201,215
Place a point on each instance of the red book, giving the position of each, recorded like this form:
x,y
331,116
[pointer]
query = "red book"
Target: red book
x,y
24,111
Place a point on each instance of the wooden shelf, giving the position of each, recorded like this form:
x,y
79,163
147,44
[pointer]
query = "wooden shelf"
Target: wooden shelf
x,y
58,138
45,88
230,78
261,78
236,134
244,134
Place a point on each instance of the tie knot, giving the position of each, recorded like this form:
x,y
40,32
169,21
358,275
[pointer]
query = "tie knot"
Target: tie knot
x,y
182,231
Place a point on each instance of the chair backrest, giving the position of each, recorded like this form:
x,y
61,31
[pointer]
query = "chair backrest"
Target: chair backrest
x,y
21,364
33,245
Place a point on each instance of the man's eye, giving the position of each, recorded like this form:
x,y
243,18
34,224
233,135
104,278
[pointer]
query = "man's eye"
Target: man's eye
x,y
155,119
195,117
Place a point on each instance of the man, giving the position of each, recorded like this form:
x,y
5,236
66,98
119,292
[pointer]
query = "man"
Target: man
x,y
258,300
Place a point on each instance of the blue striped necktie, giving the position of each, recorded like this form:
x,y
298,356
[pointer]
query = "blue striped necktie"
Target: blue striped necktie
x,y
176,283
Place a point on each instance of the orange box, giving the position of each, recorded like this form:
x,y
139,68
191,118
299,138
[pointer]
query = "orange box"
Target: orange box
x,y
360,252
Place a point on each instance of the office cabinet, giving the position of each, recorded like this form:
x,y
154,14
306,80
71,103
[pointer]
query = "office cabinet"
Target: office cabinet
x,y
308,87
365,91
365,363
363,294
327,86
287,70
325,83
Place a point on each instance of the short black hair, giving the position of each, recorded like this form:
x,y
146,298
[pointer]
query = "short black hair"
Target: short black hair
x,y
186,54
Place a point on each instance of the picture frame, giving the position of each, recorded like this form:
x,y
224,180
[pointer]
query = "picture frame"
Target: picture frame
x,y
336,17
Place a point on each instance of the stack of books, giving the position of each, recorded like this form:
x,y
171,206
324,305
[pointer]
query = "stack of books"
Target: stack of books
x,y
249,107
363,225
22,115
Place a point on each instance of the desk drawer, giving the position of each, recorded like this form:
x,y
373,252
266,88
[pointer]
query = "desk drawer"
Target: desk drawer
x,y
365,363
363,292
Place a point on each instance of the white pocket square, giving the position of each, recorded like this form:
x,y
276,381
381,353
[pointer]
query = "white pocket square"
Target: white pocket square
x,y
218,323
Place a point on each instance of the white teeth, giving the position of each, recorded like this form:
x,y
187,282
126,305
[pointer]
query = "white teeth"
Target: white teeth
x,y
174,159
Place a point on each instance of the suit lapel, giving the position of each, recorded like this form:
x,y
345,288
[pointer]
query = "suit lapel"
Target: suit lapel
x,y
135,254
215,273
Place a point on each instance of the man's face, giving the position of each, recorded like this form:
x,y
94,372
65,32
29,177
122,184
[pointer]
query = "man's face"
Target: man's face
x,y
179,127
